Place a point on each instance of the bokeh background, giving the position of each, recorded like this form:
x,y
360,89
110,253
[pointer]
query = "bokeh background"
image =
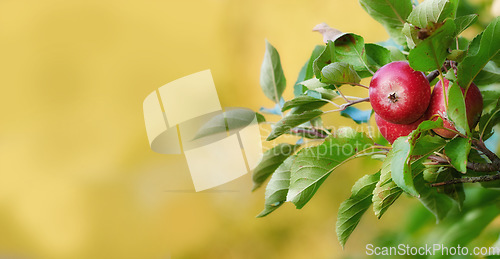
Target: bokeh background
x,y
77,177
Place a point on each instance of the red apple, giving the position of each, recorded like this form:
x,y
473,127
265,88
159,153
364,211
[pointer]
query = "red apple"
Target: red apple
x,y
473,108
392,131
399,94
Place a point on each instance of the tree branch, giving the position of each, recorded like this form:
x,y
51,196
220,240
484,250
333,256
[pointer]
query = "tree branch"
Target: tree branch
x,y
483,178
432,75
478,167
345,105
482,147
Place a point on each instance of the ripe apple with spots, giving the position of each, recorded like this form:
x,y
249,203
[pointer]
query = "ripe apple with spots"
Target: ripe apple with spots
x,y
399,94
437,108
392,131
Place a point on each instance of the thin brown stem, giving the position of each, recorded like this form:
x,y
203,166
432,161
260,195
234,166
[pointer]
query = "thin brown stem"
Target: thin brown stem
x,y
483,178
432,75
482,147
349,103
345,105
478,167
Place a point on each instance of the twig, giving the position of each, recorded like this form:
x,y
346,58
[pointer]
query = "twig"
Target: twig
x,y
341,94
432,75
483,178
331,102
482,147
478,167
345,105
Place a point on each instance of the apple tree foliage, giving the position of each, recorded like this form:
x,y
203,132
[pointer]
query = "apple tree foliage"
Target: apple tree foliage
x,y
435,170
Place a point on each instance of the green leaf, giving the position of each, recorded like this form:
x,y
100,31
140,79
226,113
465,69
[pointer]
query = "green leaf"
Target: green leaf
x,y
350,48
463,22
272,78
304,102
270,161
400,167
326,57
435,202
481,50
307,70
428,144
233,119
442,174
292,120
377,56
316,85
430,12
469,226
489,75
316,123
277,188
491,96
456,55
351,210
431,53
386,192
313,84
313,165
260,117
458,151
396,54
339,73
488,121
411,34
402,151
454,191
456,108
308,133
391,14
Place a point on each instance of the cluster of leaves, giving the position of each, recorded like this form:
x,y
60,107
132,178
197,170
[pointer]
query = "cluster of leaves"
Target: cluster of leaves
x,y
427,35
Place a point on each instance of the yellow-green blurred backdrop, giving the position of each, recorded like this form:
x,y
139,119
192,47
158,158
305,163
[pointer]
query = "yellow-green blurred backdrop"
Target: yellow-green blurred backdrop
x,y
77,177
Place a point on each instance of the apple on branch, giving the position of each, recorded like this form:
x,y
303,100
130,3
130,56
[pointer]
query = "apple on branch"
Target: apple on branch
x,y
399,94
437,108
392,131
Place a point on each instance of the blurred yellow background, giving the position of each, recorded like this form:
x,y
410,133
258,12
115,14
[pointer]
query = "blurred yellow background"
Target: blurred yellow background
x,y
78,179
